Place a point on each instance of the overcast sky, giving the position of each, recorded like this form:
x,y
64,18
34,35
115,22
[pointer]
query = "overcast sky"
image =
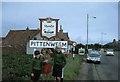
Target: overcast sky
x,y
73,18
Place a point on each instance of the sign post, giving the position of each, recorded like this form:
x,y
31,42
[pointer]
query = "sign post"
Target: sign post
x,y
74,44
48,30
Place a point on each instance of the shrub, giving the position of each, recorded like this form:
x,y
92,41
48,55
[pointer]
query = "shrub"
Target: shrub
x,y
16,66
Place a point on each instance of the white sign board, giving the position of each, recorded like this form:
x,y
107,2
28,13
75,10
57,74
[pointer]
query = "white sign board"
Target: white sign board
x,y
49,28
48,44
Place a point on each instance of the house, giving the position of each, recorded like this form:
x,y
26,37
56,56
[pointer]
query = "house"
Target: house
x,y
18,40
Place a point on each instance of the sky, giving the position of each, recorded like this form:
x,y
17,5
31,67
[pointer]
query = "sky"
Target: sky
x,y
72,15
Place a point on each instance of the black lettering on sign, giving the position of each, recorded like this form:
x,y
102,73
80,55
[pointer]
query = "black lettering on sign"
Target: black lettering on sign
x,y
64,44
56,43
34,43
37,43
44,43
31,43
40,43
60,43
52,44
47,44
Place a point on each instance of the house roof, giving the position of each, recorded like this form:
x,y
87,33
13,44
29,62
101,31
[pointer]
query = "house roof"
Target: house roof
x,y
62,36
19,36
66,35
22,36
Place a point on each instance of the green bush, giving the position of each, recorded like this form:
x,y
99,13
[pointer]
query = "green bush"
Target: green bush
x,y
18,67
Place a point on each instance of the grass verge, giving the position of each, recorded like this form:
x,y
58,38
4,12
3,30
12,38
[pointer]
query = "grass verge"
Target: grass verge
x,y
72,68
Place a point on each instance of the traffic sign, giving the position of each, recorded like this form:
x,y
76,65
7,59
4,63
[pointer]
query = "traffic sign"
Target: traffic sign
x,y
74,44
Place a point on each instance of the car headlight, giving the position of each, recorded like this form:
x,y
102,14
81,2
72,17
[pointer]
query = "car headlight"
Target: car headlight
x,y
98,59
88,58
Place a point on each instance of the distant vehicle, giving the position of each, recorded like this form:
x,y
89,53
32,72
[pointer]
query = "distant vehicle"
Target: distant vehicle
x,y
93,56
89,49
81,51
102,50
110,52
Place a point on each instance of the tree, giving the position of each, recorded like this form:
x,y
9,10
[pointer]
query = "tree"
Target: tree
x,y
78,46
97,46
106,46
27,28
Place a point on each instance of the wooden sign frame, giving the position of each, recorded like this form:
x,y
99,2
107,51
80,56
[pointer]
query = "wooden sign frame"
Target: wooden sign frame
x,y
48,19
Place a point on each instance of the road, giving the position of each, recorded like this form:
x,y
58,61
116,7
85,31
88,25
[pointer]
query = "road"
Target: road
x,y
107,70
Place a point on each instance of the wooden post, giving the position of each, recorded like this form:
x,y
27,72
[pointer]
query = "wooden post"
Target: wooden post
x,y
62,74
62,70
73,52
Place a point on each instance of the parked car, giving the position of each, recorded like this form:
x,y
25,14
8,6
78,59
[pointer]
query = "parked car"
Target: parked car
x,y
93,56
110,52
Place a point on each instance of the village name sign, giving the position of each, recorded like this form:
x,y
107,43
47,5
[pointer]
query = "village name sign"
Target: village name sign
x,y
47,44
48,29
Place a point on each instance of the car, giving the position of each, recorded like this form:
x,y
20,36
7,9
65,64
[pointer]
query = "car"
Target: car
x,y
93,56
110,52
102,50
90,49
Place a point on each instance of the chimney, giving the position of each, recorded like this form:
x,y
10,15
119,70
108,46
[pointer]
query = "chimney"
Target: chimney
x,y
61,30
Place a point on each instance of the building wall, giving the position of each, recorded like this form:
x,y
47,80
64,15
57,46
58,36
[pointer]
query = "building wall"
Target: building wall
x,y
30,50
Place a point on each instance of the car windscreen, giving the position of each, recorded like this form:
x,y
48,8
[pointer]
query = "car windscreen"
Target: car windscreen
x,y
110,50
94,54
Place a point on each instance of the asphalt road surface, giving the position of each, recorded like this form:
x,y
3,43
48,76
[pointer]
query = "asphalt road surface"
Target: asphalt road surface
x,y
107,70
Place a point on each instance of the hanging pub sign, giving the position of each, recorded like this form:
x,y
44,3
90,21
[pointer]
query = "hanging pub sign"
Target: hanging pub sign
x,y
48,27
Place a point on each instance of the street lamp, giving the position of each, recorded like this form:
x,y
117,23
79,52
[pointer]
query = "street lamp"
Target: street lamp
x,y
102,38
87,27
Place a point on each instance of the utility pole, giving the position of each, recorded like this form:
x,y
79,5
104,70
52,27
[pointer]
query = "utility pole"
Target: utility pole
x,y
88,28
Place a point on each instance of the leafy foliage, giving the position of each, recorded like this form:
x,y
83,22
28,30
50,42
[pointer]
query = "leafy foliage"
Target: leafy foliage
x,y
16,66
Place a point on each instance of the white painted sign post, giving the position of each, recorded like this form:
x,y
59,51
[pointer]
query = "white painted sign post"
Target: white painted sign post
x,y
74,44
